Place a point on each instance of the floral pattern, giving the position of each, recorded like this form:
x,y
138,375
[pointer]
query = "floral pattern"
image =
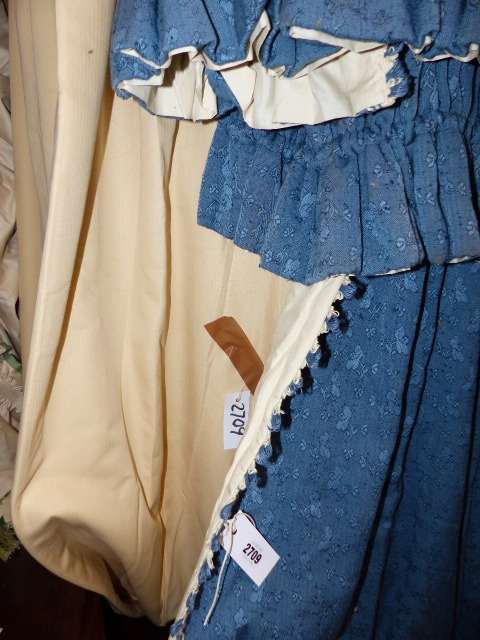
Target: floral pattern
x,y
221,29
372,497
380,192
433,26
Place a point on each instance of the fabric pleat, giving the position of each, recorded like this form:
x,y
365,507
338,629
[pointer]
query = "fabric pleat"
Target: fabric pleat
x,y
381,192
352,492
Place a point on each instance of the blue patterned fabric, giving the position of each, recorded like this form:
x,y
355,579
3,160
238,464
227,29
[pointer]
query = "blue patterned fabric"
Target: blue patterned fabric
x,y
449,25
441,25
280,50
372,495
222,28
383,191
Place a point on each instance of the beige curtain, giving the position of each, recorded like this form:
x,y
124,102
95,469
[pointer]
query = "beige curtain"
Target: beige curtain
x,y
120,458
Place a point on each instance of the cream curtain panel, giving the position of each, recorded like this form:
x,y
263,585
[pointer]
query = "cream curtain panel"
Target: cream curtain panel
x,y
121,457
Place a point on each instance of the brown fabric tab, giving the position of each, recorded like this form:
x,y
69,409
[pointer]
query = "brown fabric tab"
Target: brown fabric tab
x,y
231,338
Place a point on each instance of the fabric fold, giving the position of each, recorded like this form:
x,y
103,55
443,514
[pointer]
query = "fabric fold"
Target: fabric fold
x,y
384,191
168,66
299,324
378,433
433,30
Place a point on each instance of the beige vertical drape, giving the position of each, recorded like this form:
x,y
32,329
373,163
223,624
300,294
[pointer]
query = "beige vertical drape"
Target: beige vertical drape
x,y
120,458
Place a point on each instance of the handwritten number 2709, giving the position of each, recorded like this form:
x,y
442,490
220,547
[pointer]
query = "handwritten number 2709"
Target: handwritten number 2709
x,y
239,418
252,553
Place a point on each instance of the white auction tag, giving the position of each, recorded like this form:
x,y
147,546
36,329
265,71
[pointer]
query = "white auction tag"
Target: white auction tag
x,y
235,416
249,548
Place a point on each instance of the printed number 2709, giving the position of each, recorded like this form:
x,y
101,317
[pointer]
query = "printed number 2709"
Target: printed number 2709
x,y
252,553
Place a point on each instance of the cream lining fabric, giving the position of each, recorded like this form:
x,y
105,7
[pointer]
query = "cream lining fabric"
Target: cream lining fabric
x,y
343,84
301,321
120,457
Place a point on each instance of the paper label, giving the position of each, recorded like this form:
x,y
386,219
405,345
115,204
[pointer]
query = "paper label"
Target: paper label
x,y
249,549
235,416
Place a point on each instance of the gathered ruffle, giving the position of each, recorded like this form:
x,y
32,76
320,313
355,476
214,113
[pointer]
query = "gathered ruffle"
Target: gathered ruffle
x,y
432,28
154,29
381,192
170,63
329,55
